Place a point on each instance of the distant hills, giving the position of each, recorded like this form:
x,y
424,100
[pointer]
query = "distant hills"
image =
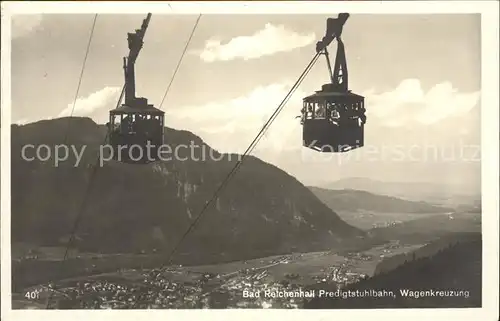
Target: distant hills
x,y
429,228
456,266
136,208
356,200
417,191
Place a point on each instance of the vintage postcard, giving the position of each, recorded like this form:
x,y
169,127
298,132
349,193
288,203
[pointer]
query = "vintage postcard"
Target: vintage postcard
x,y
249,160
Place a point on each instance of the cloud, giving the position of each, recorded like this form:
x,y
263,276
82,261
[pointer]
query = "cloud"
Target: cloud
x,y
22,25
26,121
408,104
270,40
22,121
231,125
86,106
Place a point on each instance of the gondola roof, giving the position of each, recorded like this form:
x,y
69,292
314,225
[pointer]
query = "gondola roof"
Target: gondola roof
x,y
125,109
328,92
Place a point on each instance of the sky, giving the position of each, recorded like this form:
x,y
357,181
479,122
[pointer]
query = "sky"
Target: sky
x,y
420,75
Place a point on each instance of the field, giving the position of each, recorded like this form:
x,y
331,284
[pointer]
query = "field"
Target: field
x,y
368,219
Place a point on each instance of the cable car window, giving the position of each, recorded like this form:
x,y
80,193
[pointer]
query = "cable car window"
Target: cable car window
x,y
310,111
115,122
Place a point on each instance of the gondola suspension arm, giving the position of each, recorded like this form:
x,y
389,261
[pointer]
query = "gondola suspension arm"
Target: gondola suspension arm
x,y
334,28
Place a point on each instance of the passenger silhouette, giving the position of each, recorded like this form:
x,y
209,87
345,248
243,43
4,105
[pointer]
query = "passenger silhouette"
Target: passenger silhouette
x,y
125,125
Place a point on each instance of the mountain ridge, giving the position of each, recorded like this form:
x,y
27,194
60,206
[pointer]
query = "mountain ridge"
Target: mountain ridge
x,y
134,208
354,200
430,249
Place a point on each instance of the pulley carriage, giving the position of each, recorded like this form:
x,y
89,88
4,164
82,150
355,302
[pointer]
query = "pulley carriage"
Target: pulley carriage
x,y
333,118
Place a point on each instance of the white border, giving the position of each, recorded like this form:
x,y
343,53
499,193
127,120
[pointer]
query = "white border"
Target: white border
x,y
490,162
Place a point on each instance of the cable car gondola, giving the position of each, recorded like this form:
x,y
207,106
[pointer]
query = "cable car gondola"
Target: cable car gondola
x,y
333,118
135,127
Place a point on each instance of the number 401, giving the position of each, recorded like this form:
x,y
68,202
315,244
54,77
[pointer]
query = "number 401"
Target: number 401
x,y
32,295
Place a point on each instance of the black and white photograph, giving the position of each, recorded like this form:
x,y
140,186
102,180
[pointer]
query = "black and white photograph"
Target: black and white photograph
x,y
333,156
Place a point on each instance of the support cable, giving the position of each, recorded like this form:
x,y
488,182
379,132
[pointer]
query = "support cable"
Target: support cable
x,y
80,78
246,153
180,61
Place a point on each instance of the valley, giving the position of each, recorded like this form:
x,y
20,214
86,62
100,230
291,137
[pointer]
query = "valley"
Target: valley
x,y
136,281
266,233
214,286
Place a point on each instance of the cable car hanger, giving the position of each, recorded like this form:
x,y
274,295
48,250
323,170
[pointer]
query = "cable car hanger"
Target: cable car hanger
x,y
334,28
333,118
136,123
